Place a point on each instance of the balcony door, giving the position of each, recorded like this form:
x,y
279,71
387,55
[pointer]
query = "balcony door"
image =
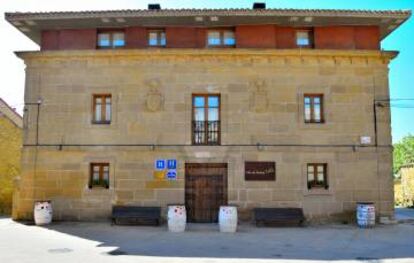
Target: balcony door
x,y
206,119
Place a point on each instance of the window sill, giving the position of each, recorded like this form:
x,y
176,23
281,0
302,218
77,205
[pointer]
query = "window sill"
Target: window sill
x,y
314,122
98,191
317,126
205,144
101,122
318,191
110,48
260,180
99,188
221,47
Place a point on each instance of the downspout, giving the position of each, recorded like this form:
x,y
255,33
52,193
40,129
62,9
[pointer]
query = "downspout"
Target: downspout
x,y
38,103
374,105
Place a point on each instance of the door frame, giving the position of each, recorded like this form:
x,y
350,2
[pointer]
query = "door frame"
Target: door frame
x,y
211,167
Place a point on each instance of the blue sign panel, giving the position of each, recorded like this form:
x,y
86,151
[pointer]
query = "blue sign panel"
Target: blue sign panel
x,y
160,164
172,174
172,164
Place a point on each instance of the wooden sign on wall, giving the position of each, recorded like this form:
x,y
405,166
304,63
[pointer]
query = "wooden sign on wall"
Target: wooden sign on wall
x,y
260,171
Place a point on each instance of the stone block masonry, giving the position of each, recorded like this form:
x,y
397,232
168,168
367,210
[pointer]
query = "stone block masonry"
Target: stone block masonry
x,y
261,102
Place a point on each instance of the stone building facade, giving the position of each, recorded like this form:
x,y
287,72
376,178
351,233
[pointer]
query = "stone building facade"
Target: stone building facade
x,y
11,133
262,118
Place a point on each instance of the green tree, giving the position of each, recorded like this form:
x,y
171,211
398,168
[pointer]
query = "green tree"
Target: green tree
x,y
403,152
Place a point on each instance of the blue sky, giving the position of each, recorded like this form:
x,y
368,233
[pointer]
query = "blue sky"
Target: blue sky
x,y
401,70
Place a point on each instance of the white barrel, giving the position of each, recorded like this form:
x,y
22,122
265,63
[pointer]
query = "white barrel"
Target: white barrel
x,y
43,212
177,218
365,215
228,219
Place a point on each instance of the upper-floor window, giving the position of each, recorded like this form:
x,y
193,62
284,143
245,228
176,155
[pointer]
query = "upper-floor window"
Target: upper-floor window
x,y
206,119
111,39
313,108
317,175
304,38
221,38
156,38
99,175
102,108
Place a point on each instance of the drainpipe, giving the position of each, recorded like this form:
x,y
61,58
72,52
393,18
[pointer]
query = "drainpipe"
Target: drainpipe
x,y
375,122
38,103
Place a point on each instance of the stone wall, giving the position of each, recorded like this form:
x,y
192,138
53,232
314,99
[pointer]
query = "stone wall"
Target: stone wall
x,y
261,102
10,153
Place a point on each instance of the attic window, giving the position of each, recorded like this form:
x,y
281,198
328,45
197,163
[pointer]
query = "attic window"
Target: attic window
x,y
115,39
304,38
221,38
156,38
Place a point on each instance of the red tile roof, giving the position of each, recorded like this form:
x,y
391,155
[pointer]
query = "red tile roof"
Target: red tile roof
x,y
230,12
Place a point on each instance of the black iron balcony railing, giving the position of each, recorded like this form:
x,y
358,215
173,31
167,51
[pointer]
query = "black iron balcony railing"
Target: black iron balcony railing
x,y
206,132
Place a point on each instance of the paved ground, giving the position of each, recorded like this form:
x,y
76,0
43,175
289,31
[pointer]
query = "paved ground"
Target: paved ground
x,y
99,242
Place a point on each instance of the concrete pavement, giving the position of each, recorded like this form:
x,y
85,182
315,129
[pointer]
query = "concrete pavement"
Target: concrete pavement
x,y
99,242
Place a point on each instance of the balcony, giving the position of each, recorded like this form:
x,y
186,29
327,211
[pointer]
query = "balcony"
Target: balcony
x,y
206,132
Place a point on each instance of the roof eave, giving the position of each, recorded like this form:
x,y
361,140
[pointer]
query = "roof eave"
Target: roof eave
x,y
26,23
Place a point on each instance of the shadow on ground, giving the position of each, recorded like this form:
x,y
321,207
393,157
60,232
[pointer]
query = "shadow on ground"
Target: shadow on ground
x,y
333,242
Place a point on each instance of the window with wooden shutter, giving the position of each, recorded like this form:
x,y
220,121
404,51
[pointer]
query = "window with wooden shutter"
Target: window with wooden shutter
x,y
102,108
99,175
317,175
313,108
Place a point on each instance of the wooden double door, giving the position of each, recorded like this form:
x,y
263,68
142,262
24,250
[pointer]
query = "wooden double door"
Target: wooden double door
x,y
205,191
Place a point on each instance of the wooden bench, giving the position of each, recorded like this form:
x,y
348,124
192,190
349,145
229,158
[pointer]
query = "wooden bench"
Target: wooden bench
x,y
278,216
136,215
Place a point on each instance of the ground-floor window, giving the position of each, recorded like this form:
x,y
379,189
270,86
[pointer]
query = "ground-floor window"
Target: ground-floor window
x,y
99,175
317,175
